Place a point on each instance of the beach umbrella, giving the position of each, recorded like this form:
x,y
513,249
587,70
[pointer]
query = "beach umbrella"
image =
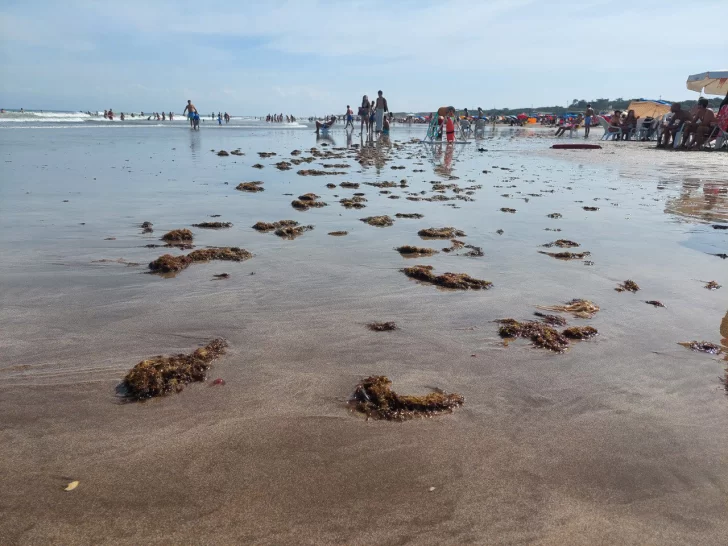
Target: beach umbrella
x,y
521,116
709,83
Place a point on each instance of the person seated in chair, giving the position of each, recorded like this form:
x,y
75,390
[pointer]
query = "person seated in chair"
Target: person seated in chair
x,y
699,127
673,125
629,124
615,122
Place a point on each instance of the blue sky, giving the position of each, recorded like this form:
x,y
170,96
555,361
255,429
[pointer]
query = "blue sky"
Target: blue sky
x,y
316,56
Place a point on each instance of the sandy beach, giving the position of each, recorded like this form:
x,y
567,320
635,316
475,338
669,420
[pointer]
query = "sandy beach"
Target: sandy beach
x,y
619,440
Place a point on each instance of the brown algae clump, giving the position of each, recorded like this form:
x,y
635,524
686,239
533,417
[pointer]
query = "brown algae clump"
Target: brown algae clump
x,y
590,209
213,225
712,285
306,201
160,375
505,209
283,166
172,264
375,398
382,326
353,202
316,172
540,334
222,153
579,308
146,227
441,233
178,235
580,332
562,243
291,232
703,347
265,227
250,186
350,185
416,250
409,215
628,286
566,255
459,281
338,233
551,320
655,303
378,221
554,215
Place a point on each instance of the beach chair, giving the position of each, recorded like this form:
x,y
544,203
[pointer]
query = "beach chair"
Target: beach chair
x,y
720,132
604,124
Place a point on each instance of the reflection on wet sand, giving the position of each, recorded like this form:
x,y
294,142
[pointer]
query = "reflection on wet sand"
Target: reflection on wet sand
x,y
701,200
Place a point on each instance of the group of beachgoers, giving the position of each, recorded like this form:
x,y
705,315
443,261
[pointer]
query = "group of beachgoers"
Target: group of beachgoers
x,y
279,118
109,114
690,130
371,116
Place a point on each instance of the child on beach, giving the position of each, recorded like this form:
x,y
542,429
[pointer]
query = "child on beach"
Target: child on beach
x,y
196,121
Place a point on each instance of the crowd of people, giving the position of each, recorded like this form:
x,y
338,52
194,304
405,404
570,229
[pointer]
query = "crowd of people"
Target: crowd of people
x,y
279,118
693,128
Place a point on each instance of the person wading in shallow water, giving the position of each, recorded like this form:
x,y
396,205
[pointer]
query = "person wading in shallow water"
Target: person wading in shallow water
x,y
381,107
190,110
589,118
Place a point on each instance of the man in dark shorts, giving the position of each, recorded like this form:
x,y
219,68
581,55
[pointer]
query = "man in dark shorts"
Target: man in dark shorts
x,y
190,110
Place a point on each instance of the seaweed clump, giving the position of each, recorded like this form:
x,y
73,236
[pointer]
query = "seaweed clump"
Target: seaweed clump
x,y
562,243
554,215
382,326
506,209
353,202
540,334
306,201
459,281
712,285
178,235
213,225
338,233
350,185
414,215
378,221
173,264
441,233
416,250
250,186
703,347
375,398
265,227
580,332
590,209
147,227
628,286
317,172
551,320
577,307
566,255
283,166
222,153
160,375
655,303
291,232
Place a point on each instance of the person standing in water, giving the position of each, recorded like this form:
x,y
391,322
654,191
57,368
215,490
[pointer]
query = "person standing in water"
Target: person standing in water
x,y
349,117
190,110
381,108
219,119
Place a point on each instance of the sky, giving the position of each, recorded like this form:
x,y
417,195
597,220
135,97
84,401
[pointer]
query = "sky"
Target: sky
x,y
313,57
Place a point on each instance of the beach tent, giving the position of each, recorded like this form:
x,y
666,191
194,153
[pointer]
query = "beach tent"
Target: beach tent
x,y
709,83
645,108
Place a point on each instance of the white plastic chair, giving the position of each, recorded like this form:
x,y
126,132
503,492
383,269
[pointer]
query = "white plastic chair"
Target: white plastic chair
x,y
607,133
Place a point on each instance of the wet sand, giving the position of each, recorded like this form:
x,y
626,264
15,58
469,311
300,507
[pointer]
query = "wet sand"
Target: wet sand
x,y
621,440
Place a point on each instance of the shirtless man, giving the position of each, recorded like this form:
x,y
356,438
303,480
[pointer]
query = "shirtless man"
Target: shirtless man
x,y
670,129
589,117
190,110
701,126
349,117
